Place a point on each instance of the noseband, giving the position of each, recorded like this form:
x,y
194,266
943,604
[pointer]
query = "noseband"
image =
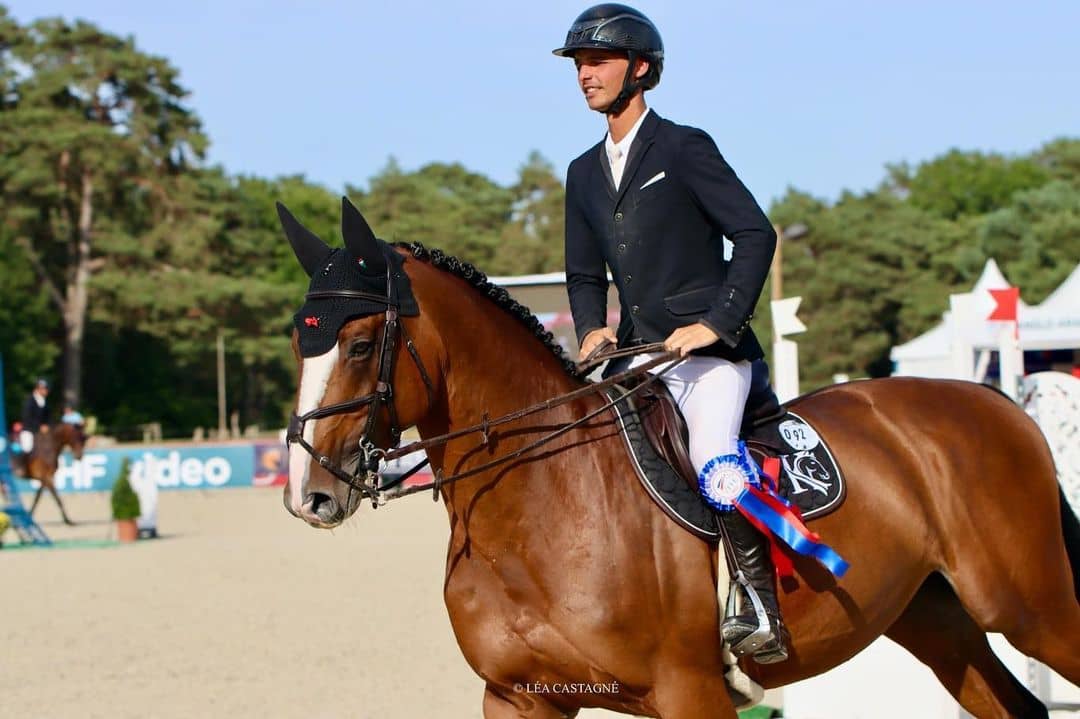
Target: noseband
x,y
364,478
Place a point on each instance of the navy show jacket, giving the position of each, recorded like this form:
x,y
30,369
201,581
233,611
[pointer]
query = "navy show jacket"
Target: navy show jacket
x,y
661,233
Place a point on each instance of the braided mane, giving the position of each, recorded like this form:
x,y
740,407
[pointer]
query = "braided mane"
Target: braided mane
x,y
498,295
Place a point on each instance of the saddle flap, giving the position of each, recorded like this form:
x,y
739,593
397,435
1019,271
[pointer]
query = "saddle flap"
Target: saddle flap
x,y
666,429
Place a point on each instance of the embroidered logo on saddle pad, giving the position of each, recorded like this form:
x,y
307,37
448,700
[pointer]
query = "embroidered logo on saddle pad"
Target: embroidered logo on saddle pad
x,y
810,477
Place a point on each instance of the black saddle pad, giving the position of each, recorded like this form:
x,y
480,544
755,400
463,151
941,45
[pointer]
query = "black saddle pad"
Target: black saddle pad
x,y
668,489
810,478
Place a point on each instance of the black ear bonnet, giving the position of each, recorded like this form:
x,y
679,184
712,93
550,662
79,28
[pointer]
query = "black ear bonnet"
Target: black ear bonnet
x,y
361,266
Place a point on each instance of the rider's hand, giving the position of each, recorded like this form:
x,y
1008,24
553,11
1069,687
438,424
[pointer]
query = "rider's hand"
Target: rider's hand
x,y
593,340
691,337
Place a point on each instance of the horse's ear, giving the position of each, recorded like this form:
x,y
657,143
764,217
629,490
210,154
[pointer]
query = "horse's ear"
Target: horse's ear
x,y
309,249
360,241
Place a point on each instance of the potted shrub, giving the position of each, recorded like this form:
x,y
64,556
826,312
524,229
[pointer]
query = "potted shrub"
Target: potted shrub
x,y
125,505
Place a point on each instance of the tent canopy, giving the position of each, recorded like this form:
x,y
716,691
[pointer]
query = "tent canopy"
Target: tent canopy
x,y
1053,324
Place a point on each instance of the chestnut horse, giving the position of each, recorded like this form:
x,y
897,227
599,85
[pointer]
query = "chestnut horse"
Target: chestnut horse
x,y
561,570
42,462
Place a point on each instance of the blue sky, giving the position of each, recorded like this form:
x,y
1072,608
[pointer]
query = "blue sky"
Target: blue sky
x,y
815,95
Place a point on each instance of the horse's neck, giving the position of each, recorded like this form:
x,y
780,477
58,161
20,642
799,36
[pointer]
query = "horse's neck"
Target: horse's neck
x,y
483,381
49,442
493,383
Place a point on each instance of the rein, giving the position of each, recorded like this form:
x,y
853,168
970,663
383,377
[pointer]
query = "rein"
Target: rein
x,y
365,478
486,423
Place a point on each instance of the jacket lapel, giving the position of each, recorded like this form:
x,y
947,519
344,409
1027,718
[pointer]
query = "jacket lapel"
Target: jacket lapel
x,y
605,170
638,148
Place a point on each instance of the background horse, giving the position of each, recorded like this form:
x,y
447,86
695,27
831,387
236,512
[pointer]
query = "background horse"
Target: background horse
x,y
560,569
43,460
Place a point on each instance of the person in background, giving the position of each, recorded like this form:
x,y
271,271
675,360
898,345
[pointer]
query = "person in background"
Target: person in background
x,y
72,416
35,415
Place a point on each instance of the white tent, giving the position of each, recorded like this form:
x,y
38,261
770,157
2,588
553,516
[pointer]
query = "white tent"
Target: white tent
x,y
1054,324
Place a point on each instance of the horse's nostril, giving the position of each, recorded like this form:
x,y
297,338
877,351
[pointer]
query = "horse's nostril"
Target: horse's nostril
x,y
324,506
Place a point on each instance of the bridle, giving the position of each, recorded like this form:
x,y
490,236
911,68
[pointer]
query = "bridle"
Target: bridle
x,y
365,478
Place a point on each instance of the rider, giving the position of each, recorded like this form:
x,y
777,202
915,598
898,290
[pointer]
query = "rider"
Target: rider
x,y
653,202
35,415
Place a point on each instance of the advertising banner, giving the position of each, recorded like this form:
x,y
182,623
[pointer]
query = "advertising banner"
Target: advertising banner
x,y
181,467
201,466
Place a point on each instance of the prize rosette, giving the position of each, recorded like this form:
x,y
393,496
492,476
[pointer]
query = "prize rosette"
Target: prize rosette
x,y
731,482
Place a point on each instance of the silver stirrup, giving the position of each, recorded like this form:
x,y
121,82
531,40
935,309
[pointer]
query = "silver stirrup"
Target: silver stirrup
x,y
752,641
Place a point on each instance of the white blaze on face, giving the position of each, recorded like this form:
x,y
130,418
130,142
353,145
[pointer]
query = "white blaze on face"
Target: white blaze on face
x,y
316,374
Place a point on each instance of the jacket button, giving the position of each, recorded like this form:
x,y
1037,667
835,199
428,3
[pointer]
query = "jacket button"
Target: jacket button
x,y
622,247
618,217
628,278
635,309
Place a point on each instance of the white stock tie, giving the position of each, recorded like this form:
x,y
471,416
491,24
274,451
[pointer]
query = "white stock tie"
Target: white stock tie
x,y
618,160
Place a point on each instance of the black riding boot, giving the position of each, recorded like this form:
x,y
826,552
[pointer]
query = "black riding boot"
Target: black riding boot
x,y
750,551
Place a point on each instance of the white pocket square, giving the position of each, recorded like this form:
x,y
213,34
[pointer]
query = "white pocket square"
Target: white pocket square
x,y
655,178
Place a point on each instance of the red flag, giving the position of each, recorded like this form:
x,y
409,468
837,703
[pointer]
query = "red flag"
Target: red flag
x,y
1007,301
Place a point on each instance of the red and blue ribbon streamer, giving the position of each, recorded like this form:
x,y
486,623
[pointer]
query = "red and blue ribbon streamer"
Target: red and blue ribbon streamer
x,y
776,518
767,510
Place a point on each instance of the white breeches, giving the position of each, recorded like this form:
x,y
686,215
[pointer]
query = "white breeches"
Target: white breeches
x,y
26,441
711,392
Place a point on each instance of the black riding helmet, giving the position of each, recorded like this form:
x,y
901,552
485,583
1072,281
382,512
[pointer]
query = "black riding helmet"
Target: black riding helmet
x,y
617,27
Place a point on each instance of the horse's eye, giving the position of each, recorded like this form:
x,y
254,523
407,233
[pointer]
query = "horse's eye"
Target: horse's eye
x,y
360,348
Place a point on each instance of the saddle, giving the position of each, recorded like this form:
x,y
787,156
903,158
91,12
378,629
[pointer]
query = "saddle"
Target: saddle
x,y
781,441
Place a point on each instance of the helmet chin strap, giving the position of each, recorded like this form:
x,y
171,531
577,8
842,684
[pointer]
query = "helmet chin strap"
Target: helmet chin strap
x,y
629,87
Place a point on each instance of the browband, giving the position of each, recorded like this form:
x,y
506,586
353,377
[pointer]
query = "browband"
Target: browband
x,y
354,294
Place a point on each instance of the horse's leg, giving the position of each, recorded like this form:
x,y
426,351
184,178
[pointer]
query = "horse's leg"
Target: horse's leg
x,y
56,496
37,498
499,704
686,693
1022,588
940,633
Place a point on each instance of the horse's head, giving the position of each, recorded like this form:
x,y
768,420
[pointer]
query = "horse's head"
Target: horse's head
x,y
71,436
357,387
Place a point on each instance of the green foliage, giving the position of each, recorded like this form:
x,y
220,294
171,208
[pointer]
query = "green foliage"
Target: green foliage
x,y
176,253
1061,159
439,205
95,144
966,183
1036,238
877,268
532,242
25,321
502,230
125,503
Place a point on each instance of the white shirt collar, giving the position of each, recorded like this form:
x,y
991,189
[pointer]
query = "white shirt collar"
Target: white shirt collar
x,y
623,145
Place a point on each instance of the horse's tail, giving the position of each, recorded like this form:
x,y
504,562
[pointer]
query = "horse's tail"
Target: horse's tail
x,y
1071,525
